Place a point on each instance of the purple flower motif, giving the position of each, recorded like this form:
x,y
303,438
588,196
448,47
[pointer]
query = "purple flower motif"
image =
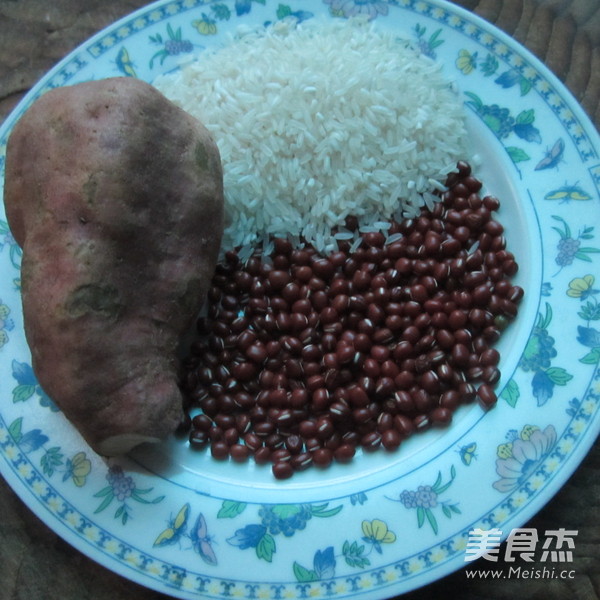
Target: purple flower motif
x,y
353,8
123,488
424,496
409,499
526,456
122,485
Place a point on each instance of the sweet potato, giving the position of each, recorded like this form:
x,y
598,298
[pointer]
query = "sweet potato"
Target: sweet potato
x,y
116,197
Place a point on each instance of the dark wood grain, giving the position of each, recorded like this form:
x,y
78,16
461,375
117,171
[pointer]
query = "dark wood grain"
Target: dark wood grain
x,y
36,564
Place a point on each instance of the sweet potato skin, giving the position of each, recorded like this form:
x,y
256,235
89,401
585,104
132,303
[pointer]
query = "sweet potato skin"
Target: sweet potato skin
x,y
116,197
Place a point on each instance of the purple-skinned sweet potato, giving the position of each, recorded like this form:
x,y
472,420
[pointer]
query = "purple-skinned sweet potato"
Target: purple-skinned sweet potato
x,y
115,196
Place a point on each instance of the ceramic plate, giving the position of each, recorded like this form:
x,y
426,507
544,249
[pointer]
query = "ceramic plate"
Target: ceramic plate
x,y
179,523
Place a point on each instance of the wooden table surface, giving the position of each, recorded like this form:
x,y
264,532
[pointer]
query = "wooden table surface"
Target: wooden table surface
x,y
35,564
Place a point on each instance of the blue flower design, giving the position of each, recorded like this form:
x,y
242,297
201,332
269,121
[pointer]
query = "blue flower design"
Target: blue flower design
x,y
527,132
248,537
588,336
28,386
32,440
46,401
542,387
508,78
23,373
324,563
359,498
242,7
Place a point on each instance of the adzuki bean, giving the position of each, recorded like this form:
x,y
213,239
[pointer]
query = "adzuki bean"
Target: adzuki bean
x,y
302,359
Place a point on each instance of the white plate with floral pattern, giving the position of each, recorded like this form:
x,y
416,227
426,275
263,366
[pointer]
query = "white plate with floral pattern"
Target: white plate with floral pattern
x,y
177,523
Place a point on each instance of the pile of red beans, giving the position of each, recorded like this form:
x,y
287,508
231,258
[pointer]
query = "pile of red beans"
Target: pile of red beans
x,y
303,358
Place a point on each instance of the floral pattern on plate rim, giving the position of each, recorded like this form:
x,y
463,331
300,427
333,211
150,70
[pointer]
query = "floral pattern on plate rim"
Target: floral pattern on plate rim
x,y
369,556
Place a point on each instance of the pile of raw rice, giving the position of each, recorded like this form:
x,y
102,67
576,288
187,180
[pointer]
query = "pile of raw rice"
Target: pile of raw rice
x,y
320,120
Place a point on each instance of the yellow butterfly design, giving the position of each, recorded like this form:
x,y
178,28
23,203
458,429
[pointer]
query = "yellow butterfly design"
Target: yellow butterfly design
x,y
175,529
467,453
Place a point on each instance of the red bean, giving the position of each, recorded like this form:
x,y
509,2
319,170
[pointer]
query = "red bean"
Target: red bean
x,y
450,399
257,352
344,353
422,400
282,245
510,267
467,392
282,469
411,334
264,428
490,375
460,355
371,441
219,450
292,344
421,422
404,380
344,453
198,439
481,295
441,415
280,454
252,441
491,203
389,369
322,268
515,294
301,461
404,425
490,358
391,439
457,319
380,353
384,386
328,315
202,422
366,326
486,395
362,342
322,457
404,402
262,455
430,382
358,397
239,452
230,434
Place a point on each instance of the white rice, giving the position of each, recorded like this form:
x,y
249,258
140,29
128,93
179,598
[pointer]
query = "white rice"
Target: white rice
x,y
320,120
